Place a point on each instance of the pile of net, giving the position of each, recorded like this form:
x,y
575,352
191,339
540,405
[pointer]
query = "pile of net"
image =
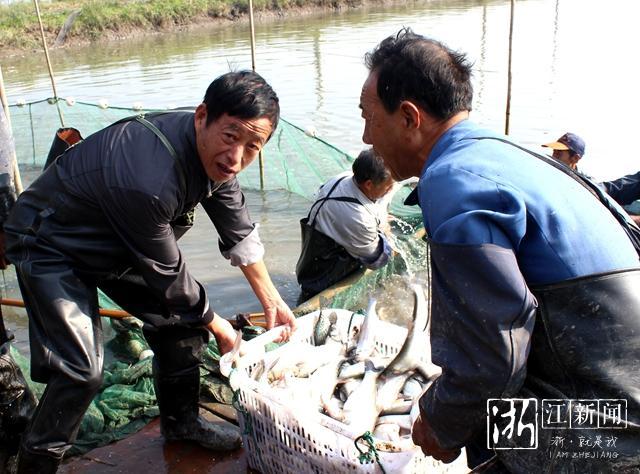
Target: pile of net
x,y
293,161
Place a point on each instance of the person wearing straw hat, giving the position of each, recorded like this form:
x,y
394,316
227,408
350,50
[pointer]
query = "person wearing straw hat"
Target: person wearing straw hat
x,y
522,276
107,214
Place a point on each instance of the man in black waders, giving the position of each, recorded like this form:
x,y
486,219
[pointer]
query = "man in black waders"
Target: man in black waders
x,y
535,297
17,403
107,214
343,231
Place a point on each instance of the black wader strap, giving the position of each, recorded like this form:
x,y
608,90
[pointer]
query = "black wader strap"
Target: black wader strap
x,y
632,230
328,198
165,141
161,136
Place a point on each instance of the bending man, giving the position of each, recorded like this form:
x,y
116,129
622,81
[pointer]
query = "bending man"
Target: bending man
x,y
342,232
107,214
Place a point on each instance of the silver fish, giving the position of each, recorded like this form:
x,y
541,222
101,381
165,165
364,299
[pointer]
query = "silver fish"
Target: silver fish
x,y
412,388
333,407
370,326
399,407
361,410
303,359
387,432
416,342
353,332
325,379
323,326
403,421
347,388
389,388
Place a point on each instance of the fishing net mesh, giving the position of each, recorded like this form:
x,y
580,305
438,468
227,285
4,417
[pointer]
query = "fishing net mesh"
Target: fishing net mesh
x,y
293,160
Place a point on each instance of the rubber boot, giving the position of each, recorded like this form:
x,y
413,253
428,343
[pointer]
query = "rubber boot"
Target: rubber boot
x,y
31,463
180,419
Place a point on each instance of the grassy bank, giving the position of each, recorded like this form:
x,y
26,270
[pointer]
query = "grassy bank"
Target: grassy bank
x,y
105,19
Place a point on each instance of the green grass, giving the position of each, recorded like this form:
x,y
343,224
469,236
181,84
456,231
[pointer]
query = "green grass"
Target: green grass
x,y
19,27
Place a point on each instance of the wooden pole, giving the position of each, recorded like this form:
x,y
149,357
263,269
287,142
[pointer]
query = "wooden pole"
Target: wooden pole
x,y
111,313
256,319
253,36
508,111
46,54
17,180
253,67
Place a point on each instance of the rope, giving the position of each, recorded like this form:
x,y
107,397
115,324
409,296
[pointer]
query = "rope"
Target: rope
x,y
372,452
235,402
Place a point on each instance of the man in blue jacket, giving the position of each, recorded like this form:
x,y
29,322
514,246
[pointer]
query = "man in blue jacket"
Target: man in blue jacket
x,y
536,288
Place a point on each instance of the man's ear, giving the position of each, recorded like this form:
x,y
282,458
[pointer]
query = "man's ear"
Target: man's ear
x,y
201,112
366,187
410,114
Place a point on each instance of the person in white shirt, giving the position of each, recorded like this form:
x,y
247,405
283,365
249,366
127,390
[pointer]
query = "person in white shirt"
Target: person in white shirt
x,y
342,232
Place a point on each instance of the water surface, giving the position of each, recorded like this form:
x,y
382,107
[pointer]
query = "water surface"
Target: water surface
x,y
574,69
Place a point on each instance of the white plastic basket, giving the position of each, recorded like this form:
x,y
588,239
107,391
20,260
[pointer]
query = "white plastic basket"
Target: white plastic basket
x,y
277,440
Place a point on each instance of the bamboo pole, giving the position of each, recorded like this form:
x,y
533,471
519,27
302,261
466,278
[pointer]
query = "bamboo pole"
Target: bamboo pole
x,y
256,319
508,111
111,313
253,36
253,67
17,180
46,54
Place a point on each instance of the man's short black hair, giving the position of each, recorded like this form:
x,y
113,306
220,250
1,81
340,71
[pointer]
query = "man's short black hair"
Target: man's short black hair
x,y
422,70
242,94
368,165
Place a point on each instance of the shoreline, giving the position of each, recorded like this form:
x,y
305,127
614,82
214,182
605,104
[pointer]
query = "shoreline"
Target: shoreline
x,y
228,18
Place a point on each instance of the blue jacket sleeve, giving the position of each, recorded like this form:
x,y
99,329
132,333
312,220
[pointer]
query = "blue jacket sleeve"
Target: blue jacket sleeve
x,y
624,190
482,310
482,319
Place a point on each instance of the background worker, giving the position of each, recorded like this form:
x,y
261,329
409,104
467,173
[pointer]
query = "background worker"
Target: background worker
x,y
570,148
107,214
519,308
17,402
344,229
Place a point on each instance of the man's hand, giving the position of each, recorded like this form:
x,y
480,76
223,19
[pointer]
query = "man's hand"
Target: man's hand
x,y
422,435
278,313
223,332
